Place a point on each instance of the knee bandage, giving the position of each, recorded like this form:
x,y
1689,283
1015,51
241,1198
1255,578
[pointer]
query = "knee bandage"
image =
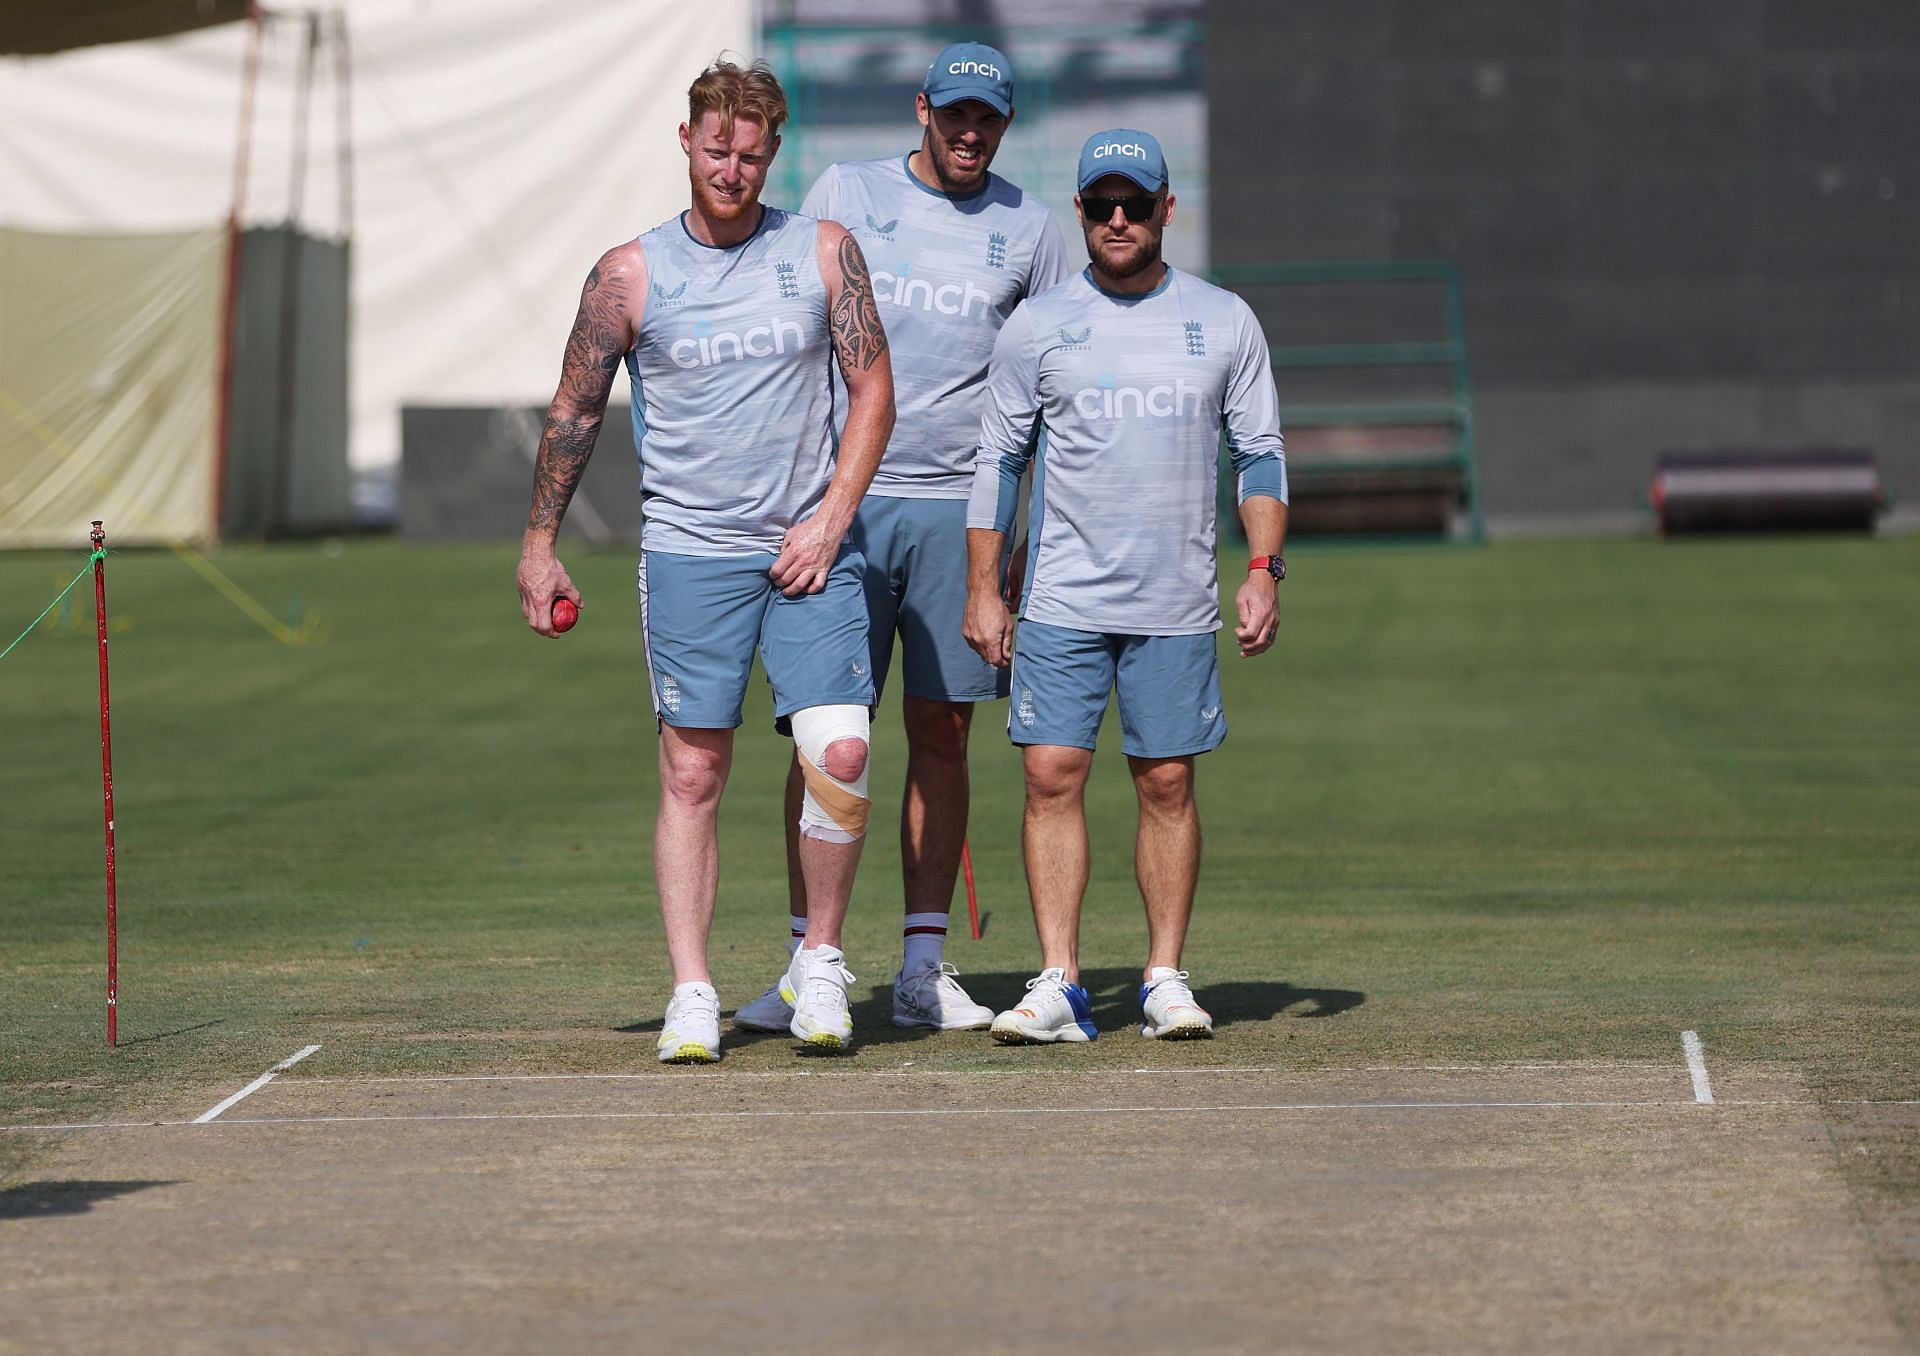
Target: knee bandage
x,y
831,809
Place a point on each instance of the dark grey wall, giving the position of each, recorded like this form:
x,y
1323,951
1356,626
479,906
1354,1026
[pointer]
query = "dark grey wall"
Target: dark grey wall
x,y
1716,201
466,474
311,491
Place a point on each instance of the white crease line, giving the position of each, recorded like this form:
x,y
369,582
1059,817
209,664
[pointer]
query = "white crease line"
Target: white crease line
x,y
1756,1102
1697,1067
254,1086
916,1112
1858,1101
973,1073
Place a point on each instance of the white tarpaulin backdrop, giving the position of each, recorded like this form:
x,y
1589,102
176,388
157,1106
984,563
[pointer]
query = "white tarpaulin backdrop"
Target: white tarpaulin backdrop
x,y
498,146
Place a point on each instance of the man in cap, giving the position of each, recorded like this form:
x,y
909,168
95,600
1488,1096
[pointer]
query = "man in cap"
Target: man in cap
x,y
954,248
1132,369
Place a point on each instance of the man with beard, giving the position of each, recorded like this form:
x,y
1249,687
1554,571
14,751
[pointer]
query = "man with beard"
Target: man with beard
x,y
954,248
1133,369
729,317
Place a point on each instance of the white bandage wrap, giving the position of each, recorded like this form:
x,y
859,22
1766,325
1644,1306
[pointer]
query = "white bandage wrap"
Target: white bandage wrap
x,y
831,810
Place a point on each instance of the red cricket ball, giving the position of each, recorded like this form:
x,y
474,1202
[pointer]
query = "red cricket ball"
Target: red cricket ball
x,y
565,614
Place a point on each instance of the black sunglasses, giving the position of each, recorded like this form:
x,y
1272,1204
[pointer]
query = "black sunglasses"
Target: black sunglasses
x,y
1138,207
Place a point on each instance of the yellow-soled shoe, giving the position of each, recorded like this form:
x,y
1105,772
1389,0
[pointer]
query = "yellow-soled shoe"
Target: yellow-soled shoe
x,y
691,1032
816,984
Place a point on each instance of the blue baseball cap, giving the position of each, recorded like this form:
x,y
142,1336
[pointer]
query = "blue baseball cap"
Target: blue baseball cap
x,y
1122,150
971,70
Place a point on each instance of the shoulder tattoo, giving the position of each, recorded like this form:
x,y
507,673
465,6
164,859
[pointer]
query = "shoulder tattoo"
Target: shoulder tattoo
x,y
598,341
857,333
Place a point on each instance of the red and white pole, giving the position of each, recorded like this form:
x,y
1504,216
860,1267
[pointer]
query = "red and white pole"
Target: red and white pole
x,y
99,538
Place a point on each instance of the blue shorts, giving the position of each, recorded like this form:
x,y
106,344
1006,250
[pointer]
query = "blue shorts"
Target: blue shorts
x,y
1169,690
703,616
916,554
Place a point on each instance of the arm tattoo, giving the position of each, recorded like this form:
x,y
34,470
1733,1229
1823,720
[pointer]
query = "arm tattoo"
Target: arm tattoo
x,y
594,350
564,448
598,340
857,335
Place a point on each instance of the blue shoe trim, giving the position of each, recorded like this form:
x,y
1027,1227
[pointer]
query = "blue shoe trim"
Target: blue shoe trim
x,y
1082,1005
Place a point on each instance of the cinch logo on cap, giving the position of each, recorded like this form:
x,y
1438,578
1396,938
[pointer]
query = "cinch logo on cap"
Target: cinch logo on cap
x,y
970,70
1135,155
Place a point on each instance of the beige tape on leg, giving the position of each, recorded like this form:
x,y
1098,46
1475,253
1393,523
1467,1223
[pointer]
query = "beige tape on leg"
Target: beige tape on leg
x,y
837,801
831,810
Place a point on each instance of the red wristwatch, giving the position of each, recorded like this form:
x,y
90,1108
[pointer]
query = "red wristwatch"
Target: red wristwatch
x,y
1273,565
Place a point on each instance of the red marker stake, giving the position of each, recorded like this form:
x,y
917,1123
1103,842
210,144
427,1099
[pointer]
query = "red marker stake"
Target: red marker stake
x,y
973,904
99,538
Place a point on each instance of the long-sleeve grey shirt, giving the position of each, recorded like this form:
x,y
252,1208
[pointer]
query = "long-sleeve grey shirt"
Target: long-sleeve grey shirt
x,y
1132,392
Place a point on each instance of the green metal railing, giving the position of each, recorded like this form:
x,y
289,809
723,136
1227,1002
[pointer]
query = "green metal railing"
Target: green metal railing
x,y
1453,413
830,70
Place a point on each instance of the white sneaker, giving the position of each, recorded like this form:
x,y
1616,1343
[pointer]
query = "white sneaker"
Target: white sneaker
x,y
1167,1009
691,1032
768,1012
816,984
930,995
1053,1010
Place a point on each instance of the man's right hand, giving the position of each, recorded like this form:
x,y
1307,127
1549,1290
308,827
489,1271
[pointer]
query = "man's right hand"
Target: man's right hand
x,y
988,627
542,579
1016,575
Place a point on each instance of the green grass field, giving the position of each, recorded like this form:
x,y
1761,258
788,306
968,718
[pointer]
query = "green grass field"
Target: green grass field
x,y
1551,801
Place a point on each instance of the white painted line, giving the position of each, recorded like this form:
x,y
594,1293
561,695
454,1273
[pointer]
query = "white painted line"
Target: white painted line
x,y
254,1086
1697,1067
1558,1066
1667,1104
717,1077
1861,1101
896,1113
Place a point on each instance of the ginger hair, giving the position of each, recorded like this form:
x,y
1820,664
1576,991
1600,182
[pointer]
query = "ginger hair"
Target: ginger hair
x,y
734,91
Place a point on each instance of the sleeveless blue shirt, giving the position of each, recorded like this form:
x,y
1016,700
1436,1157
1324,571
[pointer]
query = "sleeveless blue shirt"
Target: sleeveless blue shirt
x,y
731,388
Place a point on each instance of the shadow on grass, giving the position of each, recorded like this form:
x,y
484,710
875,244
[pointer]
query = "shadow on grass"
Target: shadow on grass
x,y
39,1200
1116,1005
169,1035
1116,999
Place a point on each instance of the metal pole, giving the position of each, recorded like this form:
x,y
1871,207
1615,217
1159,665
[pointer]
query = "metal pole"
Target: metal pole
x,y
230,317
99,539
280,517
343,108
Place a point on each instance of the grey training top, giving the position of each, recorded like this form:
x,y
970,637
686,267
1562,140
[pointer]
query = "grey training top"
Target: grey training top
x,y
947,272
732,401
1133,392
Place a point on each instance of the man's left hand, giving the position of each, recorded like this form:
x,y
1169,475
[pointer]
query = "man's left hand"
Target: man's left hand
x,y
1259,615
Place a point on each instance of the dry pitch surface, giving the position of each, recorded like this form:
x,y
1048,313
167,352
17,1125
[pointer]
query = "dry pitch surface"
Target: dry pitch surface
x,y
1577,1207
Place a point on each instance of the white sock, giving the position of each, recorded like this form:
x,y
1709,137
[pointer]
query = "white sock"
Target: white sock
x,y
926,940
797,925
